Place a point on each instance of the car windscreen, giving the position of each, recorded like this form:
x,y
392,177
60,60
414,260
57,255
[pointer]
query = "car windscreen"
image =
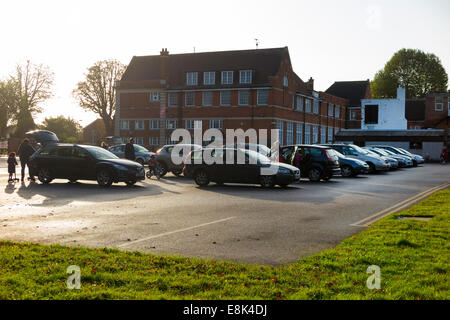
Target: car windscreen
x,y
382,152
258,156
360,150
139,148
100,153
338,154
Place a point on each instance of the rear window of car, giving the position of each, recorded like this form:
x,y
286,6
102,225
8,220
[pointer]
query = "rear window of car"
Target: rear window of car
x,y
61,152
315,152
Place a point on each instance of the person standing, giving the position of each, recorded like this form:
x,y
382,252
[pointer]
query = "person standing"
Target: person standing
x,y
12,163
129,150
25,151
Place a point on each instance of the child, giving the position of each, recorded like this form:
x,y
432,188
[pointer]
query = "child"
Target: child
x,y
12,163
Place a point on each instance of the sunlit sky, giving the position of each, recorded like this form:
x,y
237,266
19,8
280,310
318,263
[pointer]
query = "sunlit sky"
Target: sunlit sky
x,y
328,40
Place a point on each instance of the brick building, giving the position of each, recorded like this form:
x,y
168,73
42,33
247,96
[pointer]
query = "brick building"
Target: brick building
x,y
431,112
224,90
354,91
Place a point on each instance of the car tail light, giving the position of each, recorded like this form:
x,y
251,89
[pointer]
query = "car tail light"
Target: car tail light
x,y
328,156
158,151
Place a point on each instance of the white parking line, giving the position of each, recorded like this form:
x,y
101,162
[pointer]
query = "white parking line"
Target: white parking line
x,y
399,206
175,231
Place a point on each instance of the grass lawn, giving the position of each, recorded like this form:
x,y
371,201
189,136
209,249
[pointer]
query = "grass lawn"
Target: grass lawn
x,y
414,258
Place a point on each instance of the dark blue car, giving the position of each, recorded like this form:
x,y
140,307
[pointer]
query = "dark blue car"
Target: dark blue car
x,y
351,167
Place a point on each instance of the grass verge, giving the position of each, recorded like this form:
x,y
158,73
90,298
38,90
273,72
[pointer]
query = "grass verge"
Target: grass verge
x,y
413,257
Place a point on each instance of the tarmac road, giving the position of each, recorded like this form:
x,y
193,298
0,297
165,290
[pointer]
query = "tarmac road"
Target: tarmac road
x,y
234,222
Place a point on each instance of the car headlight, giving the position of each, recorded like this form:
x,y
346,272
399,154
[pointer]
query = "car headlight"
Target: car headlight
x,y
120,167
284,170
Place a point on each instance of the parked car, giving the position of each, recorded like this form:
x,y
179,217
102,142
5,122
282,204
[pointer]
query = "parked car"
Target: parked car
x,y
375,162
419,159
80,162
264,150
393,163
314,162
351,167
404,161
250,171
399,152
165,158
142,154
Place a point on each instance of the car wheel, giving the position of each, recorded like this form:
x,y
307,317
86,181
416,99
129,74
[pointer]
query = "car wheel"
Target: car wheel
x,y
347,171
201,178
267,181
177,172
45,175
314,174
162,169
372,168
104,178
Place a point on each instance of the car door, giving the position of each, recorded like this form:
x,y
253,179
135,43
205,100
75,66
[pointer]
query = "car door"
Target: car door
x,y
61,166
83,164
245,169
307,160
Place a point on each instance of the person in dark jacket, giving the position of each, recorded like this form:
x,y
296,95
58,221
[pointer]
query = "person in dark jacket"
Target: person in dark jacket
x,y
12,163
129,150
25,151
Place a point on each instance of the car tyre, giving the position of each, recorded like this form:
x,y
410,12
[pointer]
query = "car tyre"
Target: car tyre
x,y
104,178
314,174
267,181
45,175
201,178
162,169
372,168
347,171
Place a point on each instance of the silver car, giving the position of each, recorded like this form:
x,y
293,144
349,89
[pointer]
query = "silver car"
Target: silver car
x,y
399,152
393,163
142,154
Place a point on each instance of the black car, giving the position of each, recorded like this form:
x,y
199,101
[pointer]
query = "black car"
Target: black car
x,y
229,165
314,162
79,162
351,167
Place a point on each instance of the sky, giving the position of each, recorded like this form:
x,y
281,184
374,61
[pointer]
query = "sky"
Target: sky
x,y
328,40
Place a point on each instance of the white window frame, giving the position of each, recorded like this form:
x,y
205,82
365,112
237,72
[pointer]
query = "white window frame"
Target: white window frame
x,y
299,103
258,97
285,81
153,141
205,96
172,100
323,134
299,133
169,125
122,125
307,134
209,78
337,112
280,128
191,78
213,122
439,103
352,114
240,95
308,105
226,77
225,98
330,134
139,141
289,133
316,106
330,110
245,76
186,96
153,124
139,125
315,134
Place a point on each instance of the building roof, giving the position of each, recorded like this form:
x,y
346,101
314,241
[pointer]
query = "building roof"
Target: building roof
x,y
354,91
415,110
391,133
264,62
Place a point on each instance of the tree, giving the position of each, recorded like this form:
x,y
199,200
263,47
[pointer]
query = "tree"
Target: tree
x,y
97,92
8,104
418,72
67,129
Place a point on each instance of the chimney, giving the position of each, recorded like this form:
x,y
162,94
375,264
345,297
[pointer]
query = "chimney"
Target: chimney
x,y
164,65
310,84
164,52
401,93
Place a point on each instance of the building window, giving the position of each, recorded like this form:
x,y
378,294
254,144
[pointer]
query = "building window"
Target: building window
x,y
336,130
154,96
139,125
307,105
189,99
193,124
227,77
154,124
225,98
352,114
299,103
244,97
316,106
315,134
330,110
139,141
290,133
209,78
439,104
307,134
371,114
299,133
191,78
215,124
336,112
245,76
323,134
170,141
171,124
153,141
280,129
262,97
207,98
285,81
124,124
173,100
330,135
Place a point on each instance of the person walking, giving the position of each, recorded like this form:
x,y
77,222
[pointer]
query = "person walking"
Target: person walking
x,y
25,151
129,150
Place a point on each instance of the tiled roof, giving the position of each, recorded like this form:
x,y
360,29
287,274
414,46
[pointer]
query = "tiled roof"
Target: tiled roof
x,y
354,91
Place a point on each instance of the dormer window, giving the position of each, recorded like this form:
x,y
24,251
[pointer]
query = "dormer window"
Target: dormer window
x,y
245,76
227,77
209,78
191,78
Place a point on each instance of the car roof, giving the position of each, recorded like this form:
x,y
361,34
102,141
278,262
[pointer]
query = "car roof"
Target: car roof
x,y
308,145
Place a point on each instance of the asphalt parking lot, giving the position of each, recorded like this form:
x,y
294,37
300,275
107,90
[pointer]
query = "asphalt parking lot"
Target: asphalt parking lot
x,y
235,222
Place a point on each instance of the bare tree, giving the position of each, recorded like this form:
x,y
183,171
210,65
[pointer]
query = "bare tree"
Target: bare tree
x,y
8,104
97,92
